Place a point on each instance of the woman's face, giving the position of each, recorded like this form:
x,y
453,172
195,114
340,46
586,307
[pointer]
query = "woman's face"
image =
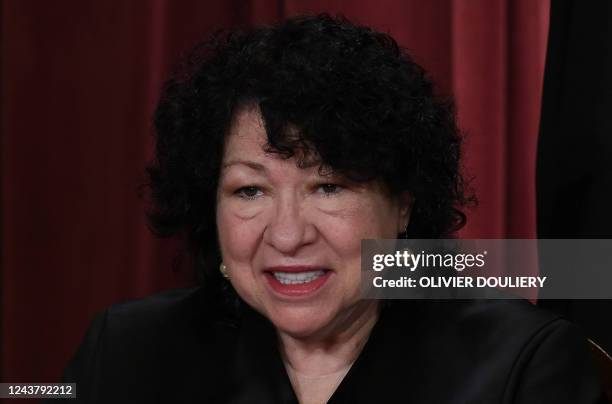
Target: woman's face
x,y
291,237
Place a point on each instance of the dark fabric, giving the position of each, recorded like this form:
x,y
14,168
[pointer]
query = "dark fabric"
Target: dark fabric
x,y
574,167
178,347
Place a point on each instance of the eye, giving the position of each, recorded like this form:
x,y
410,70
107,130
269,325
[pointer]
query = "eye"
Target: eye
x,y
249,192
329,189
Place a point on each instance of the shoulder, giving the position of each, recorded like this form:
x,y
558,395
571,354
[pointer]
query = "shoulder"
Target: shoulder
x,y
500,330
158,311
147,324
497,351
495,317
476,323
172,338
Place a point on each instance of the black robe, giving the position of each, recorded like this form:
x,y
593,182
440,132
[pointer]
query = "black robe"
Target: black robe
x,y
182,347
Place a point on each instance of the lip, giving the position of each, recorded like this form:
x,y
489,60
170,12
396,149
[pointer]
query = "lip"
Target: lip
x,y
295,268
296,291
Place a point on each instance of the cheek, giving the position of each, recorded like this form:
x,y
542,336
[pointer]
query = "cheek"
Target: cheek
x,y
382,225
238,241
344,233
368,218
382,218
237,235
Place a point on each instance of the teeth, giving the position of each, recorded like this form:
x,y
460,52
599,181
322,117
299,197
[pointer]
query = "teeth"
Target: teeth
x,y
292,278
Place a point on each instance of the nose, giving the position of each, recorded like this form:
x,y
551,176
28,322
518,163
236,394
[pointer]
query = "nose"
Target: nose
x,y
289,227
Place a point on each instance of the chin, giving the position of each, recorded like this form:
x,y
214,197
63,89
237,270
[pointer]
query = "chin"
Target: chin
x,y
300,322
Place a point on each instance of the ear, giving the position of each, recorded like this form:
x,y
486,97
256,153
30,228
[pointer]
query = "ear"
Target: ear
x,y
406,202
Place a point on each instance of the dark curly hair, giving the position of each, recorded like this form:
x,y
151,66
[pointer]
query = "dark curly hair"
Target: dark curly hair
x,y
359,103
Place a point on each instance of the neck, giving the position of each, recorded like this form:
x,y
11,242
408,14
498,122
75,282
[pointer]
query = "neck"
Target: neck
x,y
334,348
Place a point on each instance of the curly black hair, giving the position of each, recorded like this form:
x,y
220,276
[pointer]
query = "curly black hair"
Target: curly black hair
x,y
358,101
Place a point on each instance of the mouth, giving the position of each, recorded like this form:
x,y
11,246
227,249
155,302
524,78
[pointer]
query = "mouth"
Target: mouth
x,y
297,282
297,278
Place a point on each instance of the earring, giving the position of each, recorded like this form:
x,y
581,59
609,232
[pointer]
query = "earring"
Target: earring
x,y
223,270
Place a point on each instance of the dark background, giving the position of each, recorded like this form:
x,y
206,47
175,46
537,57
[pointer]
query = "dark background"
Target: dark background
x,y
79,80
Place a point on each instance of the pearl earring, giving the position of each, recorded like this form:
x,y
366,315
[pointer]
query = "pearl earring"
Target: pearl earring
x,y
223,270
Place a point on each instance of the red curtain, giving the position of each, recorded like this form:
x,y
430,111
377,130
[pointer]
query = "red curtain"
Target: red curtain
x,y
78,83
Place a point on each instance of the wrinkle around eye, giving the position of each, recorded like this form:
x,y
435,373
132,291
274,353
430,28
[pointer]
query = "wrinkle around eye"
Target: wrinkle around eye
x,y
330,190
249,192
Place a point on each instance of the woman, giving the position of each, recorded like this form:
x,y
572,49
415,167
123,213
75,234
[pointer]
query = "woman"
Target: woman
x,y
278,150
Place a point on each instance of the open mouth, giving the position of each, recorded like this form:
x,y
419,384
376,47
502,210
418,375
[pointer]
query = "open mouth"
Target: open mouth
x,y
296,278
295,282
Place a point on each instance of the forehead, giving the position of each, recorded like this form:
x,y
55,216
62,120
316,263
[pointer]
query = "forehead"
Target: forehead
x,y
246,145
246,134
247,138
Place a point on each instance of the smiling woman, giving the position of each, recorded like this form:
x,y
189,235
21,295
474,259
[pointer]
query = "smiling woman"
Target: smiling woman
x,y
278,150
291,237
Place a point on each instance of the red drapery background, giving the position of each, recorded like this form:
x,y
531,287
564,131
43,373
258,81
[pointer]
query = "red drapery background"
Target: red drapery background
x,y
78,83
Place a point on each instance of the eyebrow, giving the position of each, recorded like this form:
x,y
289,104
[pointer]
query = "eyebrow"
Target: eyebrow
x,y
251,164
